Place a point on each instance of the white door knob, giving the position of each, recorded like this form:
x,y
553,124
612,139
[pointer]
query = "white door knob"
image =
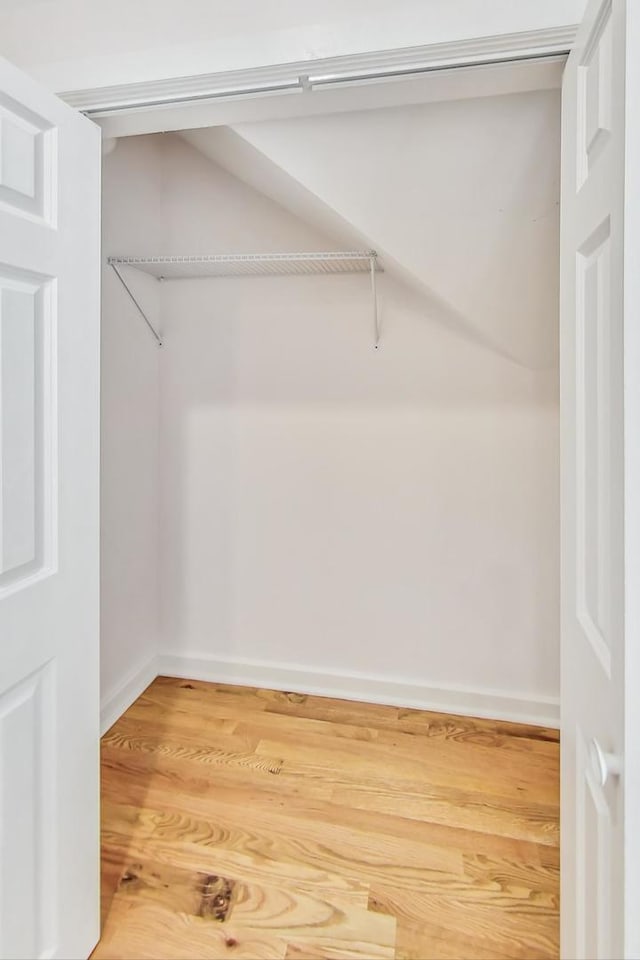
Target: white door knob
x,y
604,765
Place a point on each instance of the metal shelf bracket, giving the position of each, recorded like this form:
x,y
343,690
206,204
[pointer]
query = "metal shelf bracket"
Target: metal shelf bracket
x,y
135,302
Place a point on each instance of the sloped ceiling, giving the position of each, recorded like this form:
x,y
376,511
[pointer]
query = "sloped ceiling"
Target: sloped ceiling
x,y
239,157
459,198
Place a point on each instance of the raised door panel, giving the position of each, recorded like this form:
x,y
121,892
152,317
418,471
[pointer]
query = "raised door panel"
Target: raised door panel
x,y
27,434
27,161
595,92
597,348
28,888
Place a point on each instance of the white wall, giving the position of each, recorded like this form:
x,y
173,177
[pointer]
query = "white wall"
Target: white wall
x,y
392,514
70,44
132,223
464,196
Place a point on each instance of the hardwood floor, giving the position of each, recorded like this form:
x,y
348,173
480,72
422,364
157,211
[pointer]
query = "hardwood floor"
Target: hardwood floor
x,y
253,824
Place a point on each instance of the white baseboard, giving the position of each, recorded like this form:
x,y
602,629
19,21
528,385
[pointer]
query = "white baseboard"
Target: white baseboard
x,y
466,701
489,704
114,704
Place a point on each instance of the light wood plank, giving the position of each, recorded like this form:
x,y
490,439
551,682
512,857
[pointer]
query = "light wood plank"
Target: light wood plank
x,y
460,766
514,919
147,931
256,823
267,872
498,816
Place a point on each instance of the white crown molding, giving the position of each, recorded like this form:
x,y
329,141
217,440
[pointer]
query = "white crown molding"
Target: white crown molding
x,y
307,75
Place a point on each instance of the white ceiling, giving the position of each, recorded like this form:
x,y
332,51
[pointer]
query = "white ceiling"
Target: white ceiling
x,y
75,44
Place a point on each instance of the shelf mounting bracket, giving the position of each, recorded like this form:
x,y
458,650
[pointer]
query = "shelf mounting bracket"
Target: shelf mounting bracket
x,y
136,304
374,295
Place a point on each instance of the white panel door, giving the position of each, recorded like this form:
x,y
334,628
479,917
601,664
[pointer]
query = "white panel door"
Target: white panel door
x,y
600,411
49,463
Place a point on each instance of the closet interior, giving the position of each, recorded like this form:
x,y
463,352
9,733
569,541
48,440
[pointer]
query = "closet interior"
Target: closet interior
x,y
330,406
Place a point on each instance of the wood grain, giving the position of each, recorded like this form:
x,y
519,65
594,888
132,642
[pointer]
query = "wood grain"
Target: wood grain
x,y
254,823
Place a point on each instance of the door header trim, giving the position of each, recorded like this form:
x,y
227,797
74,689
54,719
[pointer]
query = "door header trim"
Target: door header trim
x,y
304,76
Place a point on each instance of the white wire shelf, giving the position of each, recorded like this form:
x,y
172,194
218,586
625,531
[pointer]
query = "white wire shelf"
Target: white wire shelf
x,y
252,264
